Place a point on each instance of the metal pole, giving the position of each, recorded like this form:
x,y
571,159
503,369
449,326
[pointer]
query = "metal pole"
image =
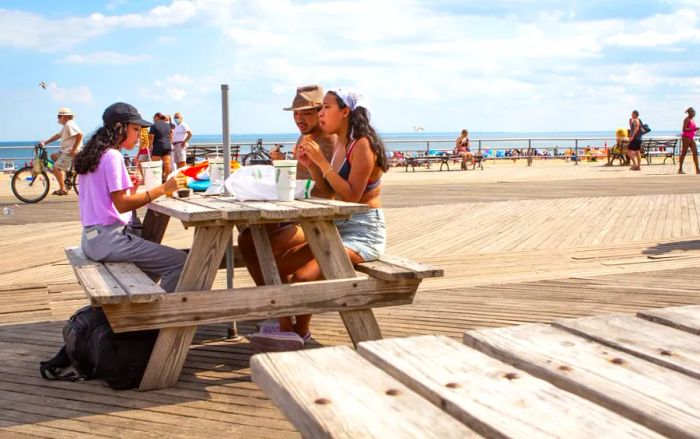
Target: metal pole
x,y
576,152
529,152
232,332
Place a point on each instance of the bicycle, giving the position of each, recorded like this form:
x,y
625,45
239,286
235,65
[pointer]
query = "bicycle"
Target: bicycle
x,y
31,183
260,156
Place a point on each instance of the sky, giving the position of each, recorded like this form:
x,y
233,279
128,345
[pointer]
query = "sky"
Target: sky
x,y
444,65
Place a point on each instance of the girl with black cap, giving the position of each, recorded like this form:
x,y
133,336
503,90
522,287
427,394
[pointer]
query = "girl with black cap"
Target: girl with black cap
x,y
106,204
688,141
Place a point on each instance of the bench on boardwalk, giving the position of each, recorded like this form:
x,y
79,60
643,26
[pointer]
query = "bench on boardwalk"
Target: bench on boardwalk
x,y
132,301
606,376
665,148
442,159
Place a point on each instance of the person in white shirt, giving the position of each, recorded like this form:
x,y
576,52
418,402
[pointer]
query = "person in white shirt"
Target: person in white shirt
x,y
181,136
71,141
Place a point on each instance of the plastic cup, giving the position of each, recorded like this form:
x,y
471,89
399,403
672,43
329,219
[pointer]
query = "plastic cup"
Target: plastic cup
x,y
216,169
152,174
285,178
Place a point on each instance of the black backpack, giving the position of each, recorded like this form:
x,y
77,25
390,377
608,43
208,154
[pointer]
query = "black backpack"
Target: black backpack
x,y
95,351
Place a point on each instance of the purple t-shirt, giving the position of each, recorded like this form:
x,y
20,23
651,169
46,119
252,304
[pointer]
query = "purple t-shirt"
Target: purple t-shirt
x,y
95,201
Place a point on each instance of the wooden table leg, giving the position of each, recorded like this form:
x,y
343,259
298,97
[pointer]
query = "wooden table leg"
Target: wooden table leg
x,y
154,225
328,249
173,344
266,258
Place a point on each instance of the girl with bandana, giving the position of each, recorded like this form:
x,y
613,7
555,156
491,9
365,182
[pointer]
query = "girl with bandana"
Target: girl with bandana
x,y
354,175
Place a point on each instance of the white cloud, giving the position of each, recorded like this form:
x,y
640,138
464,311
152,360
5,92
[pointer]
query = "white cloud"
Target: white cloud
x,y
77,95
103,58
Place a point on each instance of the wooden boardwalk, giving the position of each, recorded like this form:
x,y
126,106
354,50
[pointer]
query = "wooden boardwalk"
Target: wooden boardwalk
x,y
519,244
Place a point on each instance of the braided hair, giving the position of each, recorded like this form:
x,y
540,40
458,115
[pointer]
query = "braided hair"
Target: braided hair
x,y
359,126
101,140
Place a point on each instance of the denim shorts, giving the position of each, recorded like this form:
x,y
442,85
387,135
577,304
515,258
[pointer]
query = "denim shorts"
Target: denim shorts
x,y
364,233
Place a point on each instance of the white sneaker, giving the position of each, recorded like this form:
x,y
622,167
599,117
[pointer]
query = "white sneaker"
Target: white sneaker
x,y
269,326
276,342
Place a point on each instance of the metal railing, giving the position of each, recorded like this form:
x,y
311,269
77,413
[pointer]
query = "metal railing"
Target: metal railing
x,y
490,148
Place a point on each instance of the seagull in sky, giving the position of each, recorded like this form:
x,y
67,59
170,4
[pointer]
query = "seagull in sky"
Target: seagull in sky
x,y
43,85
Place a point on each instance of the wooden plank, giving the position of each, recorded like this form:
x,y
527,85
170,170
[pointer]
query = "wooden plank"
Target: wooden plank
x,y
270,210
342,208
686,318
99,285
345,403
309,210
659,344
266,259
325,243
231,210
172,345
636,389
137,285
183,210
219,306
490,397
393,267
154,226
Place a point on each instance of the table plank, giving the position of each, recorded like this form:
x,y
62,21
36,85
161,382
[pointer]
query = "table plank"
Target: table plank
x,y
335,393
184,211
686,318
217,306
342,208
229,208
659,344
270,210
137,285
637,389
482,392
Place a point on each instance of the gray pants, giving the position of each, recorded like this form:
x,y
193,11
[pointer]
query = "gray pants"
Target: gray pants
x,y
115,243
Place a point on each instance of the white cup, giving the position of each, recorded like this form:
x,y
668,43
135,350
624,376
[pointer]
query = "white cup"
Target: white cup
x,y
285,178
152,174
216,169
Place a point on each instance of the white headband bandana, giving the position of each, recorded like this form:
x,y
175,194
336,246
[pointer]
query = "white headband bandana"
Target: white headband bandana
x,y
351,97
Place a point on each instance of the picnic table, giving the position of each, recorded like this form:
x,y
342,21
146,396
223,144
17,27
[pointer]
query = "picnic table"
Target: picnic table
x,y
619,375
132,301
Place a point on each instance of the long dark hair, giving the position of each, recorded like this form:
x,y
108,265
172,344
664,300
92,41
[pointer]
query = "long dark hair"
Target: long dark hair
x,y
359,126
101,140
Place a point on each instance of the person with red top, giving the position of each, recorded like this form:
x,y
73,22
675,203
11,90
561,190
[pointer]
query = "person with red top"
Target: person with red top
x,y
688,141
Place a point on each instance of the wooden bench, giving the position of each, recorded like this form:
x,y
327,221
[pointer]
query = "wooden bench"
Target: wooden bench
x,y
443,160
665,148
132,301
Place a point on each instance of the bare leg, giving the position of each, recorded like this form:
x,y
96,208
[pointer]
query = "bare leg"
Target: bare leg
x,y
684,151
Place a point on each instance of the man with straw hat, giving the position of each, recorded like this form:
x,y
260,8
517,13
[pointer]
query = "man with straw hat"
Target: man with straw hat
x,y
305,107
71,141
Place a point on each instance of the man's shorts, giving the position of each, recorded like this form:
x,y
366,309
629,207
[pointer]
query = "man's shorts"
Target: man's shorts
x,y
179,152
64,161
635,145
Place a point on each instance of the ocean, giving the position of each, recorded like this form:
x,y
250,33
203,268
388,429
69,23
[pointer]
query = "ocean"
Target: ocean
x,y
19,152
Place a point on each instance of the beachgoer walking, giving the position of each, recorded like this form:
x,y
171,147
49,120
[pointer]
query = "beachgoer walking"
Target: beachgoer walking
x,y
462,145
160,137
688,140
353,174
181,137
305,107
634,150
106,204
71,141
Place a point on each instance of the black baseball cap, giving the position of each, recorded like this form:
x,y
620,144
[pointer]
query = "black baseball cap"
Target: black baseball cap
x,y
124,113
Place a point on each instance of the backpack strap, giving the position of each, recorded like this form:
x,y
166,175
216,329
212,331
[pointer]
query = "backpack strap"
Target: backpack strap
x,y
53,368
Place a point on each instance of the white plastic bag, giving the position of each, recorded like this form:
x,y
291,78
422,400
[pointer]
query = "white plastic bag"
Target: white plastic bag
x,y
257,182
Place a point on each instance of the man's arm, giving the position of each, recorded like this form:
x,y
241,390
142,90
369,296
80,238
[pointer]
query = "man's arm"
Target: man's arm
x,y
51,139
188,136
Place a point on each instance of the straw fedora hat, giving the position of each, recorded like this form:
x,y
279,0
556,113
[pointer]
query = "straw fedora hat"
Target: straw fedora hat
x,y
307,97
65,111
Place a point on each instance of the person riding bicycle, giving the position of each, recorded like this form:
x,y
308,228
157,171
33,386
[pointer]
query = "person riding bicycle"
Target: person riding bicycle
x,y
71,141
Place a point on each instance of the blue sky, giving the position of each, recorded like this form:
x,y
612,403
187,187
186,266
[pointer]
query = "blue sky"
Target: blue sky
x,y
502,65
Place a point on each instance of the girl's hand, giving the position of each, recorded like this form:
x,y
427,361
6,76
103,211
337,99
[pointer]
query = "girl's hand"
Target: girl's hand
x,y
303,158
179,181
312,151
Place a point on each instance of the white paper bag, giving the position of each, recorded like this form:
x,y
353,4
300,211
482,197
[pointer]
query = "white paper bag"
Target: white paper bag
x,y
257,182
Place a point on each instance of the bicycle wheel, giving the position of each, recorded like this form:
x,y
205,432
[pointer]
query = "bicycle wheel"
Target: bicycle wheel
x,y
29,186
255,158
74,183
